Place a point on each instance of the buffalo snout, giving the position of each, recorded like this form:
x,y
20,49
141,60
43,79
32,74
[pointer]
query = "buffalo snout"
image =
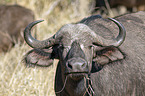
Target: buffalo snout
x,y
76,65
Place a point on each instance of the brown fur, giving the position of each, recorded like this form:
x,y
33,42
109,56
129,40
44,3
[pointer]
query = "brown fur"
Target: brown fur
x,y
13,20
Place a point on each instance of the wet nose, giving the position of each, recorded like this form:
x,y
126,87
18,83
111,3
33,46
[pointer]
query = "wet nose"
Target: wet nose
x,y
77,65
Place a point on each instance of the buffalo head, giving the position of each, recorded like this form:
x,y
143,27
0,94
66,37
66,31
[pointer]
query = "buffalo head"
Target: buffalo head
x,y
76,46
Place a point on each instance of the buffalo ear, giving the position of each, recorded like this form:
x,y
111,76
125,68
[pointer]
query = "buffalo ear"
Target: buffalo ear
x,y
38,57
108,55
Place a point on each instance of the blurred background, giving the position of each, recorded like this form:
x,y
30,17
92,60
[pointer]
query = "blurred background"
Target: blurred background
x,y
15,78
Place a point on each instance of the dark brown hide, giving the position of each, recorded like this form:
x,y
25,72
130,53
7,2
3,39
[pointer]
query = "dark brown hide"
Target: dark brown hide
x,y
123,66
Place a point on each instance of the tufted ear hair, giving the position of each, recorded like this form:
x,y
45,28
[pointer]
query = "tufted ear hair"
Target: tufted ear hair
x,y
39,57
107,55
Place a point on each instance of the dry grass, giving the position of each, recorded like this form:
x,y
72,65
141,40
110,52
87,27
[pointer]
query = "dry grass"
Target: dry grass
x,y
15,78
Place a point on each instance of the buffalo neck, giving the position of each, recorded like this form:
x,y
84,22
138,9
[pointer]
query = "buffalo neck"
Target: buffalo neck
x,y
75,87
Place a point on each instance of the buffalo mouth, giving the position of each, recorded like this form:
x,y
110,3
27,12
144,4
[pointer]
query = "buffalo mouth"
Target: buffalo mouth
x,y
76,75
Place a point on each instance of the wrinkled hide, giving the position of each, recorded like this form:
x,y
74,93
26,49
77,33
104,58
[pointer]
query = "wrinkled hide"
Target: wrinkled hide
x,y
89,61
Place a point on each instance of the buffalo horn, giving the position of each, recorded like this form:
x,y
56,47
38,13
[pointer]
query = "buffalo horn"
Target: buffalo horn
x,y
122,33
32,42
116,41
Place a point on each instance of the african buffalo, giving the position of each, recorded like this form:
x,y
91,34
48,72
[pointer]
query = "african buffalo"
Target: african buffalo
x,y
91,60
13,20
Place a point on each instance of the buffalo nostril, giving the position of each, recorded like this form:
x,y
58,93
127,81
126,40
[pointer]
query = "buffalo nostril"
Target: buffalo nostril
x,y
83,65
70,66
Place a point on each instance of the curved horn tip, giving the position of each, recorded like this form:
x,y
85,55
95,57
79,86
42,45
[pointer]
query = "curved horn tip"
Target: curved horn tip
x,y
28,27
34,43
27,33
112,19
38,21
122,33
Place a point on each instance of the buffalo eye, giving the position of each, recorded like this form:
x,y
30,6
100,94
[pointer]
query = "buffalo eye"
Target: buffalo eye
x,y
90,46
